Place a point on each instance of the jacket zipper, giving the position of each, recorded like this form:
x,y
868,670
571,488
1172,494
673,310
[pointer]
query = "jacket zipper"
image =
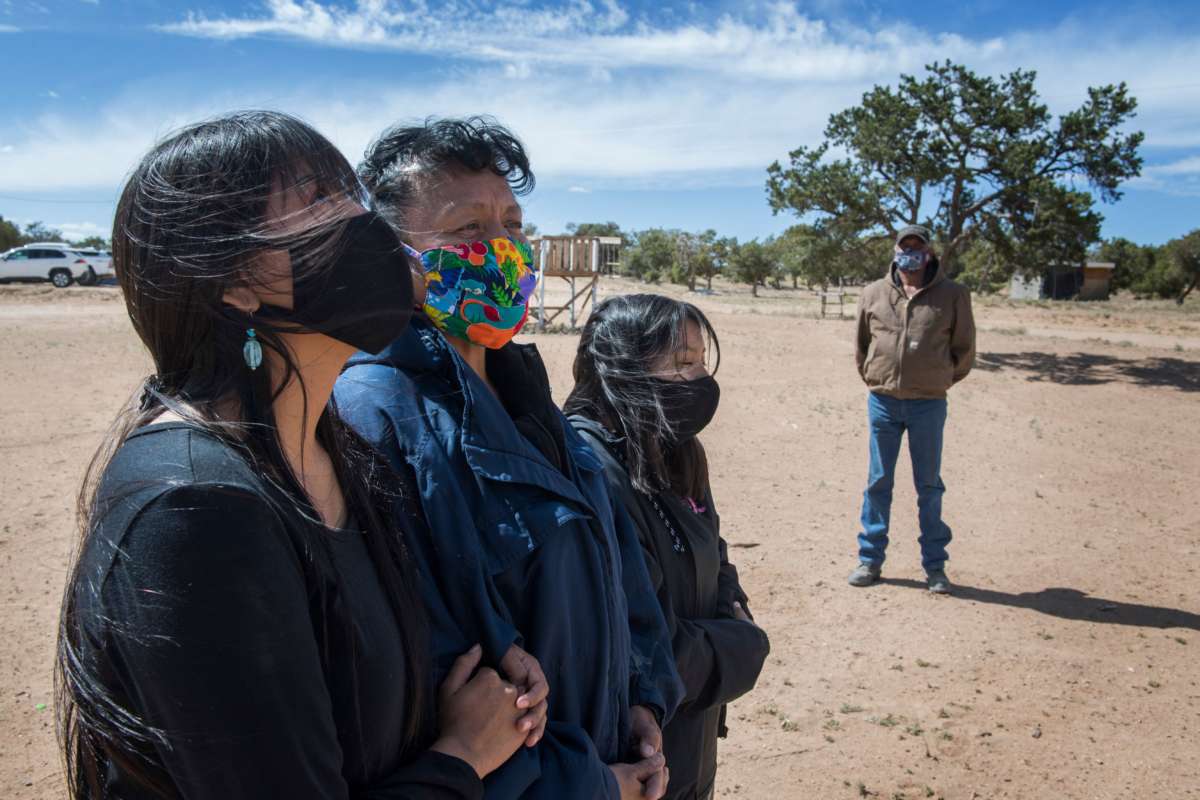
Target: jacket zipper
x,y
903,341
908,302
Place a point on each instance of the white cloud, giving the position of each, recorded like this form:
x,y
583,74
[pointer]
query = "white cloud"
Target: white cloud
x,y
9,29
519,70
638,132
60,152
1180,177
1184,166
604,100
780,43
71,231
53,95
74,231
412,25
774,42
579,189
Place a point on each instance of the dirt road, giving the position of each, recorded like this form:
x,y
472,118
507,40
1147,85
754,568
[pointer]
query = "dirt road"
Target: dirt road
x,y
1064,665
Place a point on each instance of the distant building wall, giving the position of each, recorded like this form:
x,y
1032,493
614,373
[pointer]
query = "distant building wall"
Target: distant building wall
x,y
1090,281
1097,279
1062,282
1024,288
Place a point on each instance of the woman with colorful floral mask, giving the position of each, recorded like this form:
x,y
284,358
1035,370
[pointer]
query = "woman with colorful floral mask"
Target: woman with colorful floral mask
x,y
526,545
643,392
478,292
243,619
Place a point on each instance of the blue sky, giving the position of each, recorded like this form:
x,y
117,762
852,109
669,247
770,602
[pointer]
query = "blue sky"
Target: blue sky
x,y
646,113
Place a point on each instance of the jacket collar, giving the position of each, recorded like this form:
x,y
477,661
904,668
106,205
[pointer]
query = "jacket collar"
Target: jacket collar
x,y
595,429
933,276
491,443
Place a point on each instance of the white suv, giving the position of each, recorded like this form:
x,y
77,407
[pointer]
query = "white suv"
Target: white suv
x,y
59,263
101,262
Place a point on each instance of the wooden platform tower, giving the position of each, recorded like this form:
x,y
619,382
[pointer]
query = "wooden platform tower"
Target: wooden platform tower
x,y
580,261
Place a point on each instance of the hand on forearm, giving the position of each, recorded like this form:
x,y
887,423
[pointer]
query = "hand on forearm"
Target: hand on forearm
x,y
647,736
478,715
647,778
524,671
741,613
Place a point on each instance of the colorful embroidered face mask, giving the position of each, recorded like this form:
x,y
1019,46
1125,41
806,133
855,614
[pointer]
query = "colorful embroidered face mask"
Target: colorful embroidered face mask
x,y
479,291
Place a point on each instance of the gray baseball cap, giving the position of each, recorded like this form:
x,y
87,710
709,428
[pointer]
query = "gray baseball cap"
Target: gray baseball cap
x,y
920,231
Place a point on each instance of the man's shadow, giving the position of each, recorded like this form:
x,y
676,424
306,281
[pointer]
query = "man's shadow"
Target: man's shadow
x,y
1071,604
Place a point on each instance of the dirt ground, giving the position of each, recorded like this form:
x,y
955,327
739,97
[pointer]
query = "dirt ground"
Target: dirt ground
x,y
1063,666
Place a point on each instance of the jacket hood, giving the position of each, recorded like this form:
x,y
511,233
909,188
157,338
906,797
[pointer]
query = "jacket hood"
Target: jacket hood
x,y
933,273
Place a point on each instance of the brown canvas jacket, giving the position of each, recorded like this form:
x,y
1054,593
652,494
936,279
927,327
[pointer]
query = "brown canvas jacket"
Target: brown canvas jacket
x,y
914,349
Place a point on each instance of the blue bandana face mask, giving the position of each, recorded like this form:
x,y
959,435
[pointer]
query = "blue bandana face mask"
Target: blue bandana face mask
x,y
910,260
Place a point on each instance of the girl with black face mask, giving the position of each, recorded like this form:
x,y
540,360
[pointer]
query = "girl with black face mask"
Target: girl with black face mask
x,y
242,620
643,392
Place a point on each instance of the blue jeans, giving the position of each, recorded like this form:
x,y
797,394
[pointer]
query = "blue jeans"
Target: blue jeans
x,y
924,420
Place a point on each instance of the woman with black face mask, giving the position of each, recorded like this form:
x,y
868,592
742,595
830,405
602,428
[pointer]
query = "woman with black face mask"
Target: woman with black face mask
x,y
243,619
643,392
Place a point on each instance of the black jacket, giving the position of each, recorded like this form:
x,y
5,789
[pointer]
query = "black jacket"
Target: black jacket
x,y
718,657
210,610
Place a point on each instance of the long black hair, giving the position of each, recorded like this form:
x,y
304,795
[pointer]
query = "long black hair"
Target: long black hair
x,y
190,223
405,156
622,340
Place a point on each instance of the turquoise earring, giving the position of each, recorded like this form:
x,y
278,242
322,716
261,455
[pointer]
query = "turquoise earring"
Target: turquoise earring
x,y
252,350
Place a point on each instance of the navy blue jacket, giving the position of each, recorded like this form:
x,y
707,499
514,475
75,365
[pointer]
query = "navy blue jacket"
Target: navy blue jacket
x,y
521,550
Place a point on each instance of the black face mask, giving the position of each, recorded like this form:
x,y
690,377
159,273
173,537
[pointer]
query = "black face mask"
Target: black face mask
x,y
365,298
689,405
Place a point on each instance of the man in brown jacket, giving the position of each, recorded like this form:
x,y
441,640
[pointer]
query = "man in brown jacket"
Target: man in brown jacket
x,y
916,339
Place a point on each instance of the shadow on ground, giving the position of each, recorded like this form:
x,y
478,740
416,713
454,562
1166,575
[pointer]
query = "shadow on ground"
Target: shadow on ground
x,y
1070,604
1085,369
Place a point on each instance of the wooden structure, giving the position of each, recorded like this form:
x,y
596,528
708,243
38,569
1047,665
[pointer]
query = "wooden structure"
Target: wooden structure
x,y
578,260
828,296
1097,276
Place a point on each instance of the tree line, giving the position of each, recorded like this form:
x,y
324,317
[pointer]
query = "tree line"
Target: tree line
x,y
13,235
800,255
805,255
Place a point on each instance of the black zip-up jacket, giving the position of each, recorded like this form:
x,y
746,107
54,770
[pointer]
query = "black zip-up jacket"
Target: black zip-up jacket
x,y
719,657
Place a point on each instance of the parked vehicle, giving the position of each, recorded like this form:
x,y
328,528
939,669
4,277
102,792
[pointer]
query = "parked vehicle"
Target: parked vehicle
x,y
59,263
101,262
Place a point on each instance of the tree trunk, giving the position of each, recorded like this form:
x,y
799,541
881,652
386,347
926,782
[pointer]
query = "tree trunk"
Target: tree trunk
x,y
795,281
984,279
754,289
710,277
1195,281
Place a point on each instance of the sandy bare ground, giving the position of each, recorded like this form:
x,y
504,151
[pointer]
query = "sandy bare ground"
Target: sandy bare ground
x,y
1064,666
